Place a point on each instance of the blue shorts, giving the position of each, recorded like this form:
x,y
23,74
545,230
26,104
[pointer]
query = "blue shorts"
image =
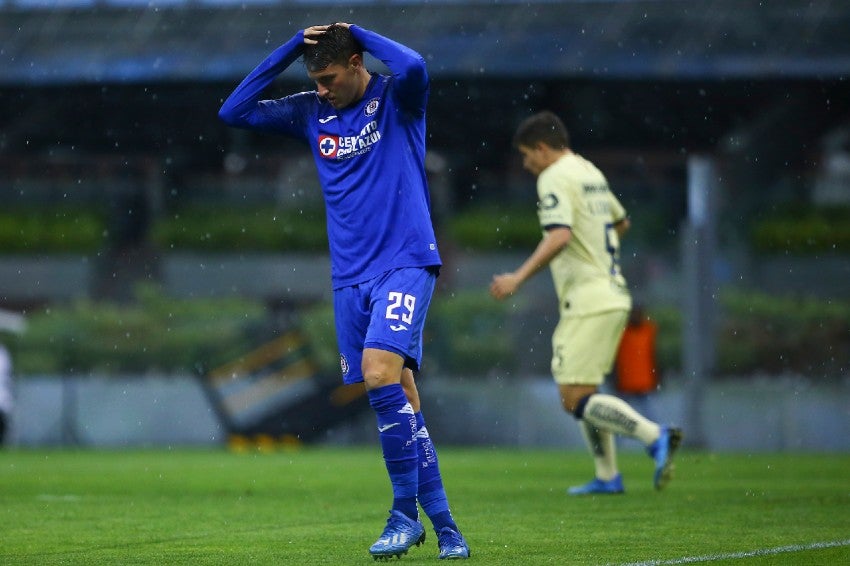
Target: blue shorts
x,y
385,313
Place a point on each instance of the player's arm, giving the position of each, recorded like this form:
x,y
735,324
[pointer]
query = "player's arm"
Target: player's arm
x,y
407,66
621,219
243,108
555,239
622,226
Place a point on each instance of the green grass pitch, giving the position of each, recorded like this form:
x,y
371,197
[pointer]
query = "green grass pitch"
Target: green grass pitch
x,y
326,505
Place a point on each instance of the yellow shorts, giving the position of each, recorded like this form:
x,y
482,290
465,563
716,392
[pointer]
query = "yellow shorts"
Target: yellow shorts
x,y
584,347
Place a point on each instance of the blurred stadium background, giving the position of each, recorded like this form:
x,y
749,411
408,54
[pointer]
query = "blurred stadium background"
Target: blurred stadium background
x,y
156,254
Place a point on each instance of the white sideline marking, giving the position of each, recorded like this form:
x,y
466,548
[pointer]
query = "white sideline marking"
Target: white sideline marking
x,y
748,554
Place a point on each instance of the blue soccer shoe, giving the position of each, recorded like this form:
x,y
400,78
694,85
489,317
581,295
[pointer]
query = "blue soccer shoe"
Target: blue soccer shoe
x,y
662,452
598,486
452,544
399,535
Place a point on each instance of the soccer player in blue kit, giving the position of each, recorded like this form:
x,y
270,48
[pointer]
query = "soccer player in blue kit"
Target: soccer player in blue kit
x,y
367,135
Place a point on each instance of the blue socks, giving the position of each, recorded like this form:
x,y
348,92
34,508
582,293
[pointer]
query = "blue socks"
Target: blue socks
x,y
410,457
432,496
396,429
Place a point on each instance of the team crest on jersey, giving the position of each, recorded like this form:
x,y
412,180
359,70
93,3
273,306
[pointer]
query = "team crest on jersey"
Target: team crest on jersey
x,y
343,364
549,202
328,146
372,106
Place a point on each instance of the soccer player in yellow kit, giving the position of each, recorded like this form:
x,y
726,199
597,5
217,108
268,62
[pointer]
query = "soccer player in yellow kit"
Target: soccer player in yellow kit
x,y
582,224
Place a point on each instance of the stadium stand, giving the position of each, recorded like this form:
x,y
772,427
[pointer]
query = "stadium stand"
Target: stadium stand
x,y
60,41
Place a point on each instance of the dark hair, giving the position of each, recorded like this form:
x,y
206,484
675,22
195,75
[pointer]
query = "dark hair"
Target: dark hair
x,y
336,45
543,127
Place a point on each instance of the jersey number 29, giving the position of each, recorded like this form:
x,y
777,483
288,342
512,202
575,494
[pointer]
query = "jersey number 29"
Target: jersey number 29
x,y
401,302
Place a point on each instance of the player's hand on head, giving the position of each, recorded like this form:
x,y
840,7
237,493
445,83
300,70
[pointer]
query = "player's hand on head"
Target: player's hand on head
x,y
312,34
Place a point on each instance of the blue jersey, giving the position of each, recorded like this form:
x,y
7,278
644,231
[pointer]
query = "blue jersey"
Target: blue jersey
x,y
369,156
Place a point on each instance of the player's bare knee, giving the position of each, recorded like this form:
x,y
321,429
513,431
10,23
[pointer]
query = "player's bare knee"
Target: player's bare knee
x,y
375,380
381,368
568,400
574,399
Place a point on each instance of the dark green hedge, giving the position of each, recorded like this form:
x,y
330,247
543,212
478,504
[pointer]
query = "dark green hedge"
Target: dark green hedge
x,y
213,228
467,333
317,323
804,231
495,229
51,230
775,334
64,229
772,334
155,333
218,228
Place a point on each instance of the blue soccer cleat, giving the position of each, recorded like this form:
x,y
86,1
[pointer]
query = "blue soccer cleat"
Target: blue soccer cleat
x,y
598,486
452,544
399,535
662,452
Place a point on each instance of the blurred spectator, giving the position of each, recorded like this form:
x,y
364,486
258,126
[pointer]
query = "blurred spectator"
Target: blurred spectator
x,y
5,392
636,372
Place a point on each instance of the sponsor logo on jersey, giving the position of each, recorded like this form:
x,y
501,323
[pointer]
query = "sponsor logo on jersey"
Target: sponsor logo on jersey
x,y
328,146
594,189
398,327
344,147
372,106
327,119
343,364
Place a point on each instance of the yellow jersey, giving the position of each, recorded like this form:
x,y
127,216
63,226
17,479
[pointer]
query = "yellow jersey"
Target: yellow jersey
x,y
573,192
